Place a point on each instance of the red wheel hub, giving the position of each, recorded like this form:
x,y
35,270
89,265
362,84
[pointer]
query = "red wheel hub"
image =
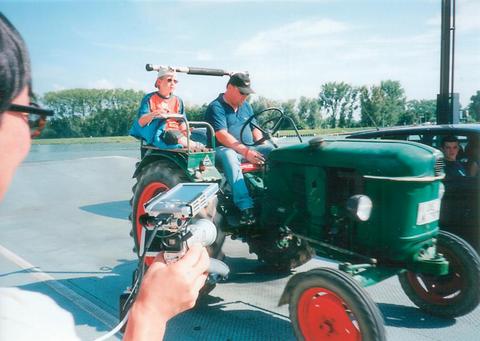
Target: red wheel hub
x,y
323,315
148,192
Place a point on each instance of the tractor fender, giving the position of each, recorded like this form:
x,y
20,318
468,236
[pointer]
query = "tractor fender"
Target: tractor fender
x,y
180,163
292,283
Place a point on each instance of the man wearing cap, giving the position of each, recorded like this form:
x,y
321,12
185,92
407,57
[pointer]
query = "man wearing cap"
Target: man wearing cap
x,y
156,122
227,114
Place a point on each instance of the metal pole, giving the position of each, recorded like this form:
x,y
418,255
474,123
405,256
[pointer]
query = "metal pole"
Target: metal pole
x,y
444,99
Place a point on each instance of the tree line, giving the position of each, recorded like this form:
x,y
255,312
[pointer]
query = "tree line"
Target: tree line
x,y
102,112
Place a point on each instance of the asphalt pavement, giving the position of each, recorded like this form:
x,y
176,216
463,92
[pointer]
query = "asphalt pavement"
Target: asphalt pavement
x,y
64,232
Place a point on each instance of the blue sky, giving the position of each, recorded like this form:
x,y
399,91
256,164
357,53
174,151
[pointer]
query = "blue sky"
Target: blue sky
x,y
290,48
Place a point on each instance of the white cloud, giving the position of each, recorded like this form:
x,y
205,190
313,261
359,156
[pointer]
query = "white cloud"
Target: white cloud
x,y
466,16
101,84
58,87
204,56
468,12
308,33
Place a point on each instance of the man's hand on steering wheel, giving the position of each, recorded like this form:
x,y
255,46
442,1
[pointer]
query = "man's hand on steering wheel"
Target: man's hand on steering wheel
x,y
254,157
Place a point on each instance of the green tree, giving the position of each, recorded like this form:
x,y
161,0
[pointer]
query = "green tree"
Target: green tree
x,y
382,104
91,112
262,103
63,127
474,106
84,102
418,111
195,112
338,101
309,112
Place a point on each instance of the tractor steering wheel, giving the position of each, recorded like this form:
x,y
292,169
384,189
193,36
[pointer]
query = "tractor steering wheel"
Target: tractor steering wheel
x,y
268,128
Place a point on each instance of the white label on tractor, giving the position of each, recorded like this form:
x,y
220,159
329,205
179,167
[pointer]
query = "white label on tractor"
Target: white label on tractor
x,y
428,211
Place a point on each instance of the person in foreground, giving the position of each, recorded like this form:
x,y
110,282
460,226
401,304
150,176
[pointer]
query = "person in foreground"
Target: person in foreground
x,y
227,114
158,120
24,315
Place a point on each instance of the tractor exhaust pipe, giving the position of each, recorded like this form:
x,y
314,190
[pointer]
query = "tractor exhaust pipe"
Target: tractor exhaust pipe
x,y
191,70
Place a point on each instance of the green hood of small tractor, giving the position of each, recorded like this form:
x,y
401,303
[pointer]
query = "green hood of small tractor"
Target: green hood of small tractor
x,y
369,157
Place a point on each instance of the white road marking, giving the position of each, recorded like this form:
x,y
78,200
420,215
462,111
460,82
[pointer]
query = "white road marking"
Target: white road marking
x,y
81,302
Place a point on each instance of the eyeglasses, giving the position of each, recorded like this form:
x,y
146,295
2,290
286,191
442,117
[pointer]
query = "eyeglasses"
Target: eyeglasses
x,y
172,80
37,117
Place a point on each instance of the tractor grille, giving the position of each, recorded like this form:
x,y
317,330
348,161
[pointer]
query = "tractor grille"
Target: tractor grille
x,y
439,166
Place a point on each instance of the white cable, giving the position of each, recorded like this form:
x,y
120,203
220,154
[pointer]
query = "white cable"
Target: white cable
x,y
124,320
114,330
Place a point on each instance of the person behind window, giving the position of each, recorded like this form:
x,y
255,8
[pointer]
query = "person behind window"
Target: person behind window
x,y
450,148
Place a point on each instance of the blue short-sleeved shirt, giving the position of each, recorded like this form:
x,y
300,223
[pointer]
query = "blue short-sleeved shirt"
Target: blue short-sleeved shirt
x,y
222,116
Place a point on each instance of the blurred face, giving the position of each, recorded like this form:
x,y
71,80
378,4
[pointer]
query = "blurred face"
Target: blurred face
x,y
234,96
450,150
166,85
14,140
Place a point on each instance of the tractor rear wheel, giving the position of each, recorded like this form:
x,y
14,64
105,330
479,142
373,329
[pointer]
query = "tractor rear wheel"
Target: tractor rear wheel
x,y
451,295
328,304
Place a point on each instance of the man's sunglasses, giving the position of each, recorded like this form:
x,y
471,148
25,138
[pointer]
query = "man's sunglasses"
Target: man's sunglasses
x,y
37,117
169,80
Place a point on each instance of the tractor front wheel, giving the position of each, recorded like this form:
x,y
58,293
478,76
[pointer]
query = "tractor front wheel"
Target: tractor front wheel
x,y
327,304
454,294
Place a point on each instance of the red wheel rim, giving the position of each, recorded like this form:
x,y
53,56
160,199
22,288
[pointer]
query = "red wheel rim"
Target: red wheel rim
x,y
441,290
323,315
148,192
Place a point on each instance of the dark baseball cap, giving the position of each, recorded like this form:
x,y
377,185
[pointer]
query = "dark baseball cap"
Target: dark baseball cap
x,y
242,82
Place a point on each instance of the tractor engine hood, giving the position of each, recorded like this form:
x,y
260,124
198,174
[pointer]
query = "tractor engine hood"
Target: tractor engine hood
x,y
375,158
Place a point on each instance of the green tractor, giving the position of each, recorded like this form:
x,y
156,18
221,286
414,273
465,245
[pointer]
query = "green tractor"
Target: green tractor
x,y
371,205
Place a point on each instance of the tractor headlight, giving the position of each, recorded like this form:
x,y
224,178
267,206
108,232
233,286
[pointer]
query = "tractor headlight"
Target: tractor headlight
x,y
360,206
441,190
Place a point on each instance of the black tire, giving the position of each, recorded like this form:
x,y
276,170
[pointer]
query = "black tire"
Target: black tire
x,y
155,178
451,295
327,304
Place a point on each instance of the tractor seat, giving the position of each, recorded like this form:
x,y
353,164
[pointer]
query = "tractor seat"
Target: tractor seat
x,y
248,167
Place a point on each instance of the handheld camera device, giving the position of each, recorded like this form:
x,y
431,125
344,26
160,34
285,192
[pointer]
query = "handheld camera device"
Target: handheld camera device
x,y
170,224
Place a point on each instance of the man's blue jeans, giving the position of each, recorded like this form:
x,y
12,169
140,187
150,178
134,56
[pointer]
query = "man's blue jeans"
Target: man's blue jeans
x,y
230,161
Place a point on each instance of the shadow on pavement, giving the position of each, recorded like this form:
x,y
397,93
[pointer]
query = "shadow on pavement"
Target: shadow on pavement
x,y
102,288
113,209
243,270
211,320
229,321
411,317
